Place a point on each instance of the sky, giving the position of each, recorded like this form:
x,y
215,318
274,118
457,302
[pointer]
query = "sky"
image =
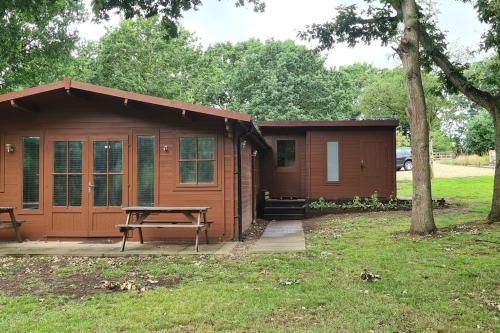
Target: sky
x,y
221,21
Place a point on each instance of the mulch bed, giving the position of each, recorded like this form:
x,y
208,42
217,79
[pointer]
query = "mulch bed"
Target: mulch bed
x,y
250,236
72,278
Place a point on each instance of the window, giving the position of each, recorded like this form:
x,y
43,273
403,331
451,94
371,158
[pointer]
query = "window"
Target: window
x,y
332,152
286,153
67,174
108,173
31,172
145,170
196,160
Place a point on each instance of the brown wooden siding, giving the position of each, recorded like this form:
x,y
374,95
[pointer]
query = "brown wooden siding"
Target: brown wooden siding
x,y
374,145
290,181
65,116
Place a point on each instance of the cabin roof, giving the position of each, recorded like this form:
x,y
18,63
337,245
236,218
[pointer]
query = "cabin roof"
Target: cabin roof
x,y
15,98
328,123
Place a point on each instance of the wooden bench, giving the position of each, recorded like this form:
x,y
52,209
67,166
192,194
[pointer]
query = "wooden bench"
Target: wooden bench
x,y
13,223
198,223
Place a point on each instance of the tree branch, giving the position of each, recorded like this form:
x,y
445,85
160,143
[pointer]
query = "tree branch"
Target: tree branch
x,y
454,75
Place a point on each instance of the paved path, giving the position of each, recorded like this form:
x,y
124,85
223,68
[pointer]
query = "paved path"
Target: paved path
x,y
451,171
93,249
281,236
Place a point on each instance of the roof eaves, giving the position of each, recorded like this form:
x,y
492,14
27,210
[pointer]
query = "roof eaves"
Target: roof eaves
x,y
71,84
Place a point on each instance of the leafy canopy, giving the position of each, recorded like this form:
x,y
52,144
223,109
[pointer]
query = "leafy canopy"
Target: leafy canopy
x,y
36,40
480,135
169,10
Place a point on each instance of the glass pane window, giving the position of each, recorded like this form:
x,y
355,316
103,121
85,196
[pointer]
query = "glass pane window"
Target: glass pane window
x,y
332,152
145,170
285,153
108,173
31,172
197,160
67,174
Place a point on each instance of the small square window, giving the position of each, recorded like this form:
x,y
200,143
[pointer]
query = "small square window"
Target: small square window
x,y
285,153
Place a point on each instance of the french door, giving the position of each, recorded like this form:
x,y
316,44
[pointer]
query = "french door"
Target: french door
x,y
88,181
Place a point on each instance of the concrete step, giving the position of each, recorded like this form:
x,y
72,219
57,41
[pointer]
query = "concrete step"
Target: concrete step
x,y
284,203
284,216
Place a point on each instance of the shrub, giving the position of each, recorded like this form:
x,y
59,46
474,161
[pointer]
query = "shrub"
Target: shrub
x,y
357,203
480,136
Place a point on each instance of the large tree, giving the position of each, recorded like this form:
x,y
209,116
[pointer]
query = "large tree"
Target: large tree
x,y
136,57
389,21
379,21
36,40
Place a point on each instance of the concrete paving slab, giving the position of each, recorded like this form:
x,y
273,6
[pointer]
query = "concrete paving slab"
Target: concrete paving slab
x,y
87,249
281,236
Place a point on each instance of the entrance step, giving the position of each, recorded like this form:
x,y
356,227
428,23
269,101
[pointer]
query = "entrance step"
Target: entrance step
x,y
284,209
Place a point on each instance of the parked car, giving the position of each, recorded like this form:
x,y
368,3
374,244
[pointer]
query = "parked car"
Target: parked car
x,y
403,158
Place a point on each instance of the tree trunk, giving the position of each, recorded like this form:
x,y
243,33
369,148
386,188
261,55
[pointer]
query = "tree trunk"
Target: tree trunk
x,y
431,154
422,218
494,215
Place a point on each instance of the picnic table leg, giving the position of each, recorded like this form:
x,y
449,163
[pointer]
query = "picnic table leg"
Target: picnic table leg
x,y
125,233
139,221
197,236
16,226
206,226
198,220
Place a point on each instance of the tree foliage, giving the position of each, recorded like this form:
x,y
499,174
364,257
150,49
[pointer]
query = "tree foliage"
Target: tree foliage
x,y
280,80
385,95
36,41
136,57
169,10
480,136
271,80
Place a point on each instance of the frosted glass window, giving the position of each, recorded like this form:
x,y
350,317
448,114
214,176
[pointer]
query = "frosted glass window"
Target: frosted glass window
x,y
332,152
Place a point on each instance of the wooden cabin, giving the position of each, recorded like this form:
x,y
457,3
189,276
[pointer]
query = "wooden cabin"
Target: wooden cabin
x,y
72,155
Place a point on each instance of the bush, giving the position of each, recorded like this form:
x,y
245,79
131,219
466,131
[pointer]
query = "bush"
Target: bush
x,y
371,203
440,142
480,135
402,140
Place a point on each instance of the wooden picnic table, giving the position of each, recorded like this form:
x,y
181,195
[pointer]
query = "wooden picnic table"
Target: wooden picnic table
x,y
13,223
196,218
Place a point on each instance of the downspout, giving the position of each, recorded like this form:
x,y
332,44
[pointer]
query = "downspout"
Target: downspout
x,y
240,204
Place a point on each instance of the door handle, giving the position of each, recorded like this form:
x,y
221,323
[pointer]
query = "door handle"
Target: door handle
x,y
91,187
362,164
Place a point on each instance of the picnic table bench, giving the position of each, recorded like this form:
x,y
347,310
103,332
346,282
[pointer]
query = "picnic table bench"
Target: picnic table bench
x,y
196,220
12,223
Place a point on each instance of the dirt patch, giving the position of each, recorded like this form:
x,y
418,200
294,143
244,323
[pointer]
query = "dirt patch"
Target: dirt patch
x,y
72,278
475,228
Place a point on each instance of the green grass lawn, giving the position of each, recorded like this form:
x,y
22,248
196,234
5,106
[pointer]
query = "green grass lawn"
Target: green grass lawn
x,y
446,283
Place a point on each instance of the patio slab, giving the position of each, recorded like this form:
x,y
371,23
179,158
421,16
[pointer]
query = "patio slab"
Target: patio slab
x,y
92,249
281,236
